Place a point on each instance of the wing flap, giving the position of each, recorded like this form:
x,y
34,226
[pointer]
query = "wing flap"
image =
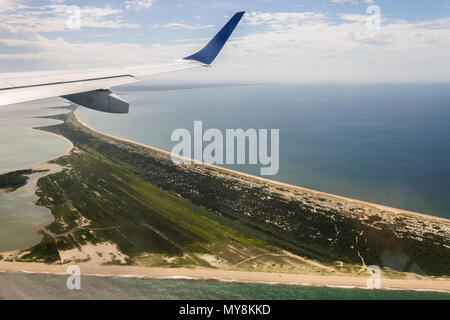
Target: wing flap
x,y
37,92
29,86
5,85
34,86
29,79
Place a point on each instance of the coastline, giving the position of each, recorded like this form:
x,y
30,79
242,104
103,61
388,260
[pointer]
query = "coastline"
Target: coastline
x,y
411,282
279,183
436,285
39,170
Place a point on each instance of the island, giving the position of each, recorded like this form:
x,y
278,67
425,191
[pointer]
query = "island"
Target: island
x,y
16,179
121,207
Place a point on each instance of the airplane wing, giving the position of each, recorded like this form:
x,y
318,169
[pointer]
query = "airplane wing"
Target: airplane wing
x,y
90,88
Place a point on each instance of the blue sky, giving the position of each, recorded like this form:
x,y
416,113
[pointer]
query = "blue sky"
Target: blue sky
x,y
279,40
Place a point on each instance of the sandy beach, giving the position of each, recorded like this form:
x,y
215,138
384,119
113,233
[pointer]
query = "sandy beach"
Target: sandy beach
x,y
282,184
410,281
438,284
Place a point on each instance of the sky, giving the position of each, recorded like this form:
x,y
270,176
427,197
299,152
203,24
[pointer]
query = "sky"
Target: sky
x,y
277,41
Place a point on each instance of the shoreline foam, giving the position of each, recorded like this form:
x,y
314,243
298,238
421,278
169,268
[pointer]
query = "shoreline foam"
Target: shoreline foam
x,y
431,285
441,285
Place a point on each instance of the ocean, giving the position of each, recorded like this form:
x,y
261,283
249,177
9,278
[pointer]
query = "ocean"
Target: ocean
x,y
45,286
383,143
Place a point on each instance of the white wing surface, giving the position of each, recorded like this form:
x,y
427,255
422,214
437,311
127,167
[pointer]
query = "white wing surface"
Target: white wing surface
x,y
90,88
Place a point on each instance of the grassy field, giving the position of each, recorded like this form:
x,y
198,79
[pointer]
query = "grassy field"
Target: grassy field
x,y
130,211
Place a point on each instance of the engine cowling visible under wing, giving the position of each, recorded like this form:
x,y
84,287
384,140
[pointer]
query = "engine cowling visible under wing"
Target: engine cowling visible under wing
x,y
80,86
100,100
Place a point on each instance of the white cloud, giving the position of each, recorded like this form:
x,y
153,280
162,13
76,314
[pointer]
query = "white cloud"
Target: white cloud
x,y
282,19
345,1
309,46
6,5
294,46
354,2
53,18
176,25
138,4
59,53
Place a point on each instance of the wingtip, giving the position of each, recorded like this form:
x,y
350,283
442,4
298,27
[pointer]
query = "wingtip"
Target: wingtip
x,y
239,14
212,49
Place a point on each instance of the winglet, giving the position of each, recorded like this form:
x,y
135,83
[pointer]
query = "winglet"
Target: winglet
x,y
212,49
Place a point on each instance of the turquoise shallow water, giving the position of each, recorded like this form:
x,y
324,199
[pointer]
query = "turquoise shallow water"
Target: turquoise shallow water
x,y
22,147
19,216
387,144
37,286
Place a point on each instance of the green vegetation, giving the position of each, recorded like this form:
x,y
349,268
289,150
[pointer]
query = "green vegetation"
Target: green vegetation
x,y
16,179
128,210
46,251
137,198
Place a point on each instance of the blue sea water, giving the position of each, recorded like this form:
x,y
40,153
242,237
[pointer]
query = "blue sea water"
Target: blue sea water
x,y
46,286
383,143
